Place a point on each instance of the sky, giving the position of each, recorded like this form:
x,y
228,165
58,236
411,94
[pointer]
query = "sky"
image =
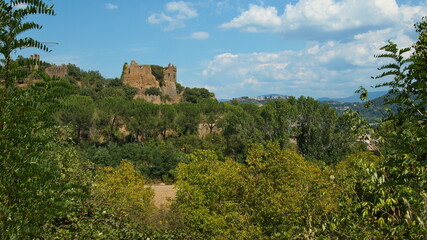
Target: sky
x,y
234,48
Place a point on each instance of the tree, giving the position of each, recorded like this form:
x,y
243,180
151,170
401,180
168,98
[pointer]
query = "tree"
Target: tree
x,y
118,207
12,26
78,112
33,186
211,110
276,195
319,135
112,110
400,192
239,129
277,120
142,117
166,119
159,74
153,91
188,118
123,191
194,94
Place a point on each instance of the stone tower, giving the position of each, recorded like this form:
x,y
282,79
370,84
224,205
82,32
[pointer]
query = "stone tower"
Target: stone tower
x,y
141,78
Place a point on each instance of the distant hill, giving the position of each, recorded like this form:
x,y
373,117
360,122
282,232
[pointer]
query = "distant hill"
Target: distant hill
x,y
353,98
373,113
273,95
261,100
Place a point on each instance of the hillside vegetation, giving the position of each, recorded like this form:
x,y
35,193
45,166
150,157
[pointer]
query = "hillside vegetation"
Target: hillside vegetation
x,y
78,155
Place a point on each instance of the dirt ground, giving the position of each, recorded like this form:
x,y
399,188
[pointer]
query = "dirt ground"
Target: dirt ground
x,y
162,194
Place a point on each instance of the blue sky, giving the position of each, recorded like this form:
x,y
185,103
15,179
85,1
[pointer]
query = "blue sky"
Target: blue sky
x,y
234,47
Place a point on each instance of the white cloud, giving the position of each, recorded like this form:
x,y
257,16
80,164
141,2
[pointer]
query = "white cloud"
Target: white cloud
x,y
250,81
210,88
332,68
308,17
62,59
177,13
183,9
199,35
20,6
256,19
111,6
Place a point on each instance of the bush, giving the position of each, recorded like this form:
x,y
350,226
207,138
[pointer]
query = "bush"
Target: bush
x,y
158,72
153,91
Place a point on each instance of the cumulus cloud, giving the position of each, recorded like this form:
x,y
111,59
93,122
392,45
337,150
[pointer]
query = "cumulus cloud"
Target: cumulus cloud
x,y
199,35
307,17
331,68
176,14
20,6
250,81
111,6
256,19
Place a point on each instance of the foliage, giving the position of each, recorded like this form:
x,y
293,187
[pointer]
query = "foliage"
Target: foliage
x,y
167,115
179,88
112,109
143,120
324,136
155,160
211,111
117,208
188,118
38,181
194,94
153,91
122,190
276,195
355,183
159,73
401,195
78,111
12,25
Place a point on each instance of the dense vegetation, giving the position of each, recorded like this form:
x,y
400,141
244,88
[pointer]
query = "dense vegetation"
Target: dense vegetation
x,y
77,155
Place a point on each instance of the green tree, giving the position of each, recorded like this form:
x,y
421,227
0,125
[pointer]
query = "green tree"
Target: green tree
x,y
122,190
113,109
277,120
400,192
153,91
188,118
211,111
78,111
34,166
143,118
12,27
159,74
276,195
194,94
318,133
239,128
166,119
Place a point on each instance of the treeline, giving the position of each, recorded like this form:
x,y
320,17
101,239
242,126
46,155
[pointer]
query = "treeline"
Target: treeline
x,y
76,159
107,128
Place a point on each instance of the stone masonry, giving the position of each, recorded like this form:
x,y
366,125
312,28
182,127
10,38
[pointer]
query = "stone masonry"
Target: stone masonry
x,y
141,78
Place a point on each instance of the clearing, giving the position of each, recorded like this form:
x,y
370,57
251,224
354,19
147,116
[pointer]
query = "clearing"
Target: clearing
x,y
163,194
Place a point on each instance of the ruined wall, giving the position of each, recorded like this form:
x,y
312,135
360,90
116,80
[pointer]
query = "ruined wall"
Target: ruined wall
x,y
57,71
141,78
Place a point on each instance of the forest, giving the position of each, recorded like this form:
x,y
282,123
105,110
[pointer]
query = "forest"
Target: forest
x,y
78,155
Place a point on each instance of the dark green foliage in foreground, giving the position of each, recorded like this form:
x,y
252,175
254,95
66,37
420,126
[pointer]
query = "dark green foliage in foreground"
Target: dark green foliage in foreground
x,y
236,174
402,179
